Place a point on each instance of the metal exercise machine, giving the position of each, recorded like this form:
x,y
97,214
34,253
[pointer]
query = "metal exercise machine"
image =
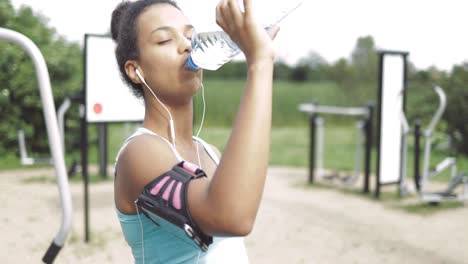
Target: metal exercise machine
x,y
53,135
27,160
364,141
449,163
391,100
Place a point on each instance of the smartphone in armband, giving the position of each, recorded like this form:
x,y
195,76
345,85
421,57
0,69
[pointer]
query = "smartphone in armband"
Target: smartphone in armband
x,y
164,202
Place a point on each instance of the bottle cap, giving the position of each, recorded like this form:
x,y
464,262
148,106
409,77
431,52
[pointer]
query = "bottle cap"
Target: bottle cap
x,y
190,64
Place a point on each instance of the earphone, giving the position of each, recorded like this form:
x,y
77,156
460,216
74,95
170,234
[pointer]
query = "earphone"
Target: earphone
x,y
171,124
171,121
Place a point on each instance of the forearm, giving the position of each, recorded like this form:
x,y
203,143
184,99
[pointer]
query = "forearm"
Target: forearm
x,y
238,183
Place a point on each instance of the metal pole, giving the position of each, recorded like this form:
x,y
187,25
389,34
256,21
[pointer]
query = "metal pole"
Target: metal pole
x,y
84,146
103,149
53,135
312,120
368,154
61,119
84,171
319,150
379,123
417,153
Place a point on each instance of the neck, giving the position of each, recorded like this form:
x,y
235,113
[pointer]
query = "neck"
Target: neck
x,y
157,120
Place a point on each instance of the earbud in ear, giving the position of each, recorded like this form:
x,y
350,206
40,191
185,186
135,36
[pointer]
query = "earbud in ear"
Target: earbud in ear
x,y
139,75
171,122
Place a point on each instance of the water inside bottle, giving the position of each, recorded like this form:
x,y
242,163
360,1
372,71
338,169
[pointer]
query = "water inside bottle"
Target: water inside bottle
x,y
213,49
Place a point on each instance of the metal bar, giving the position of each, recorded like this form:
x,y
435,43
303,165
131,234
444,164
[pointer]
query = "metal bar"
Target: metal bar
x,y
25,160
417,153
379,122
61,120
319,122
84,147
53,134
312,147
333,110
103,149
392,52
369,127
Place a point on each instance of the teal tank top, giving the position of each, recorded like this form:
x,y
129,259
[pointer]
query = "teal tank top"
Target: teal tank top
x,y
152,244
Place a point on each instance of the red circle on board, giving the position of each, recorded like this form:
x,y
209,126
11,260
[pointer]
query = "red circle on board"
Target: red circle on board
x,y
97,108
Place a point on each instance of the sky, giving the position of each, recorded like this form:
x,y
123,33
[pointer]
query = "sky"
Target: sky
x,y
432,31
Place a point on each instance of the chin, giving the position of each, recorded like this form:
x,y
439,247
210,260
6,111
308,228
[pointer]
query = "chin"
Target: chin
x,y
194,84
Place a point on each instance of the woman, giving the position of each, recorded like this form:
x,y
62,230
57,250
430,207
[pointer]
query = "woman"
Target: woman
x,y
153,40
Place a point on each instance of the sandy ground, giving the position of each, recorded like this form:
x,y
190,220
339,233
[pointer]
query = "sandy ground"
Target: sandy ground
x,y
295,225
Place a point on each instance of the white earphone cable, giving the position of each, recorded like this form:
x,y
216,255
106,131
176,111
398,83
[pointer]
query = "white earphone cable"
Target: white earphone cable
x,y
171,121
201,123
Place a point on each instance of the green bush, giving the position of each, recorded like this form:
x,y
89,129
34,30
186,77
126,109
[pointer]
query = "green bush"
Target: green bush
x,y
20,103
456,115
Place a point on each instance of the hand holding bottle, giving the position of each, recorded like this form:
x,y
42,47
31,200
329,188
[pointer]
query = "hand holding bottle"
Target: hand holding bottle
x,y
212,47
252,39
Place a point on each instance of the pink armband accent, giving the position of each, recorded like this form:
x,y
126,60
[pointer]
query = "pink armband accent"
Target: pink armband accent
x,y
165,198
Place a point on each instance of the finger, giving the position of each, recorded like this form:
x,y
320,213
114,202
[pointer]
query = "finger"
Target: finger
x,y
226,13
248,8
219,15
235,13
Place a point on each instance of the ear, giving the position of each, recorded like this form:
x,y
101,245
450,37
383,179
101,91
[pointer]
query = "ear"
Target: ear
x,y
130,68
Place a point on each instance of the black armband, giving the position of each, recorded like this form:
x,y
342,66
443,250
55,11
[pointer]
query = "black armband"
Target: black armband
x,y
165,199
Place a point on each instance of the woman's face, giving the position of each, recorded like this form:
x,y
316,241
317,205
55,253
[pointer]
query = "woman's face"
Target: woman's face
x,y
164,42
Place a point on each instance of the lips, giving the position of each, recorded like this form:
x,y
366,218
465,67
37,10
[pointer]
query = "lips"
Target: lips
x,y
190,65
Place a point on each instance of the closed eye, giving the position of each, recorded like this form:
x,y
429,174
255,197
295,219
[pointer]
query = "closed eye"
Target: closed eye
x,y
164,42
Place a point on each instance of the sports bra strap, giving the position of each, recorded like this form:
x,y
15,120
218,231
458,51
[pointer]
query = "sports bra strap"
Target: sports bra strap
x,y
141,130
208,149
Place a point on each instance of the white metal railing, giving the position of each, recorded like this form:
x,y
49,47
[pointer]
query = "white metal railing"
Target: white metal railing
x,y
53,135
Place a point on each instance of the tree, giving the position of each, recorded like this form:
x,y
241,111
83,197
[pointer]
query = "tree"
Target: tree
x,y
364,59
313,60
456,114
6,12
300,73
282,71
20,103
342,72
316,66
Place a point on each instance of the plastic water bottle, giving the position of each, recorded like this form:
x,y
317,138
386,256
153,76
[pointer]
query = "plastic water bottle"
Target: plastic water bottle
x,y
213,48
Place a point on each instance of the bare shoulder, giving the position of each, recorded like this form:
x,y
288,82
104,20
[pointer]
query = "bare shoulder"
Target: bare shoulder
x,y
143,159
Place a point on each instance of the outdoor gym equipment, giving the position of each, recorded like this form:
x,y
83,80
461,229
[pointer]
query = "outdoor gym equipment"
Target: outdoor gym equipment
x,y
391,101
422,181
53,135
27,160
364,137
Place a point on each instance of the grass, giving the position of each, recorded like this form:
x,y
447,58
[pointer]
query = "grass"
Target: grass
x,y
223,97
92,179
9,162
289,147
423,208
392,200
290,134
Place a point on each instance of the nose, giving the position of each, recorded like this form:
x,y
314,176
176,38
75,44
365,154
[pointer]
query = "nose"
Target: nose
x,y
185,45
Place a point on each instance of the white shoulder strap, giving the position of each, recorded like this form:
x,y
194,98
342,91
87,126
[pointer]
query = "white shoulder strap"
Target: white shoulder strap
x,y
135,134
143,130
208,149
